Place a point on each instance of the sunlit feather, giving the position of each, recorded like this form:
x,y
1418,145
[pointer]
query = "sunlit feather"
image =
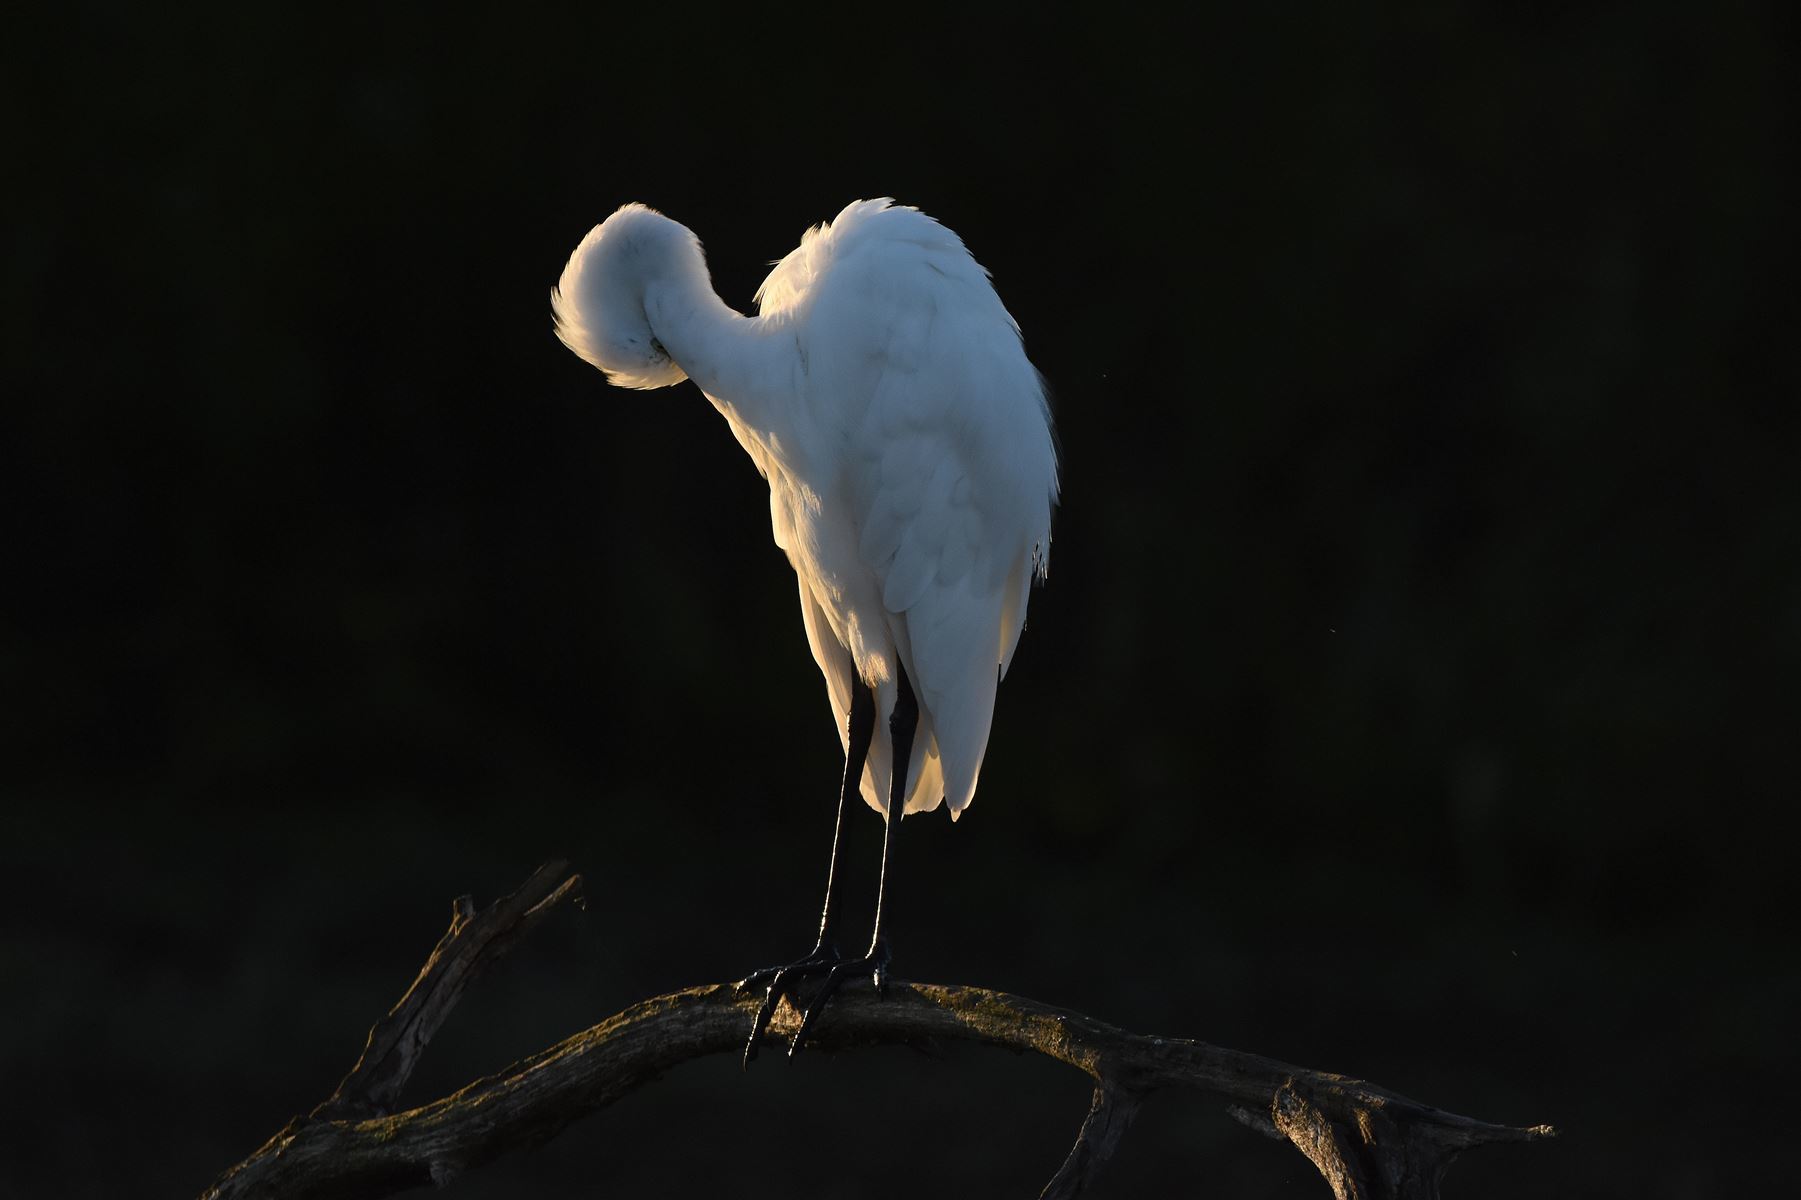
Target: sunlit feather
x,y
884,392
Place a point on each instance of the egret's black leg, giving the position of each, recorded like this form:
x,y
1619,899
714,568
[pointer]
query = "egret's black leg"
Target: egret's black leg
x,y
901,727
824,955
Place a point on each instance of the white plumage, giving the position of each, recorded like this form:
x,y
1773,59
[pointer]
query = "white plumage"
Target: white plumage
x,y
884,392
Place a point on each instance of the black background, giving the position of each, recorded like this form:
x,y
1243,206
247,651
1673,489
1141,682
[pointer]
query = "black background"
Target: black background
x,y
1411,697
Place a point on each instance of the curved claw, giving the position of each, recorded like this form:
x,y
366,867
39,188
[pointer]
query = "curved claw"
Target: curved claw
x,y
875,962
824,957
826,989
765,1011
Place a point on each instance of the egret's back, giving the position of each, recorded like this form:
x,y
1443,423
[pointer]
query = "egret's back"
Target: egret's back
x,y
935,480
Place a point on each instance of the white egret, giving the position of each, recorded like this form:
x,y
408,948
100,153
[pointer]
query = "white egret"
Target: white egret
x,y
885,394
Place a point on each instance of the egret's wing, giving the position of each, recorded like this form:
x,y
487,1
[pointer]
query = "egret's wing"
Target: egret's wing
x,y
950,470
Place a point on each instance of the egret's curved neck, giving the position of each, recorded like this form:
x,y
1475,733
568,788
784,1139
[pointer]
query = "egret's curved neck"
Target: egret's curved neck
x,y
744,364
730,356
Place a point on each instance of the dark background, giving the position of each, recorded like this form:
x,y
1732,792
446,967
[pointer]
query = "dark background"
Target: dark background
x,y
1412,694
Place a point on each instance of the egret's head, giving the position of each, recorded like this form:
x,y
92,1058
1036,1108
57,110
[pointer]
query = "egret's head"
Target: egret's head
x,y
599,301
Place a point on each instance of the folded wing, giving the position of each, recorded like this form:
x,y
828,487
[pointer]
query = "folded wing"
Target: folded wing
x,y
948,459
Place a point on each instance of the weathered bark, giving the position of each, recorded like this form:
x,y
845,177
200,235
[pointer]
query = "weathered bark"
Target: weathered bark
x,y
1367,1142
470,944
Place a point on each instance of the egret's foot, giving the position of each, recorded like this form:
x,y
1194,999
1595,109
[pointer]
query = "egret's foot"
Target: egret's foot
x,y
780,982
874,964
822,957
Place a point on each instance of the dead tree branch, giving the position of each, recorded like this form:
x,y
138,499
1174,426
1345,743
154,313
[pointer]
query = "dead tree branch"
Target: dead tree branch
x,y
1366,1141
